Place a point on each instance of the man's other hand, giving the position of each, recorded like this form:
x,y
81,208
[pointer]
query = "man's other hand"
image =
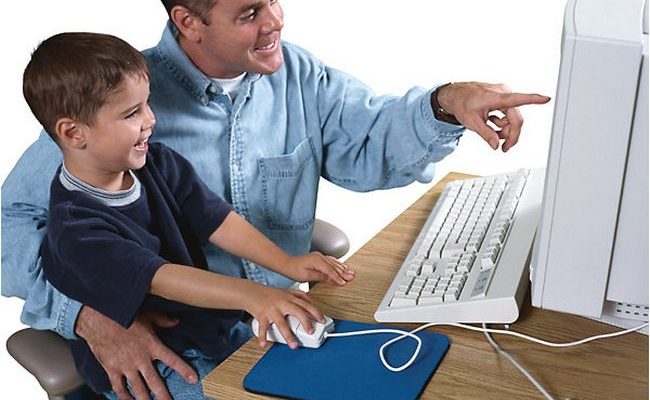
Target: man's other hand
x,y
127,354
475,103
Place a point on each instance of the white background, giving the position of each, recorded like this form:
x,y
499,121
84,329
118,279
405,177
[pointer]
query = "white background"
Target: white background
x,y
389,45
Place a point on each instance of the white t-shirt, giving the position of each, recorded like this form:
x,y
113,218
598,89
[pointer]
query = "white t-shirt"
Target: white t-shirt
x,y
231,85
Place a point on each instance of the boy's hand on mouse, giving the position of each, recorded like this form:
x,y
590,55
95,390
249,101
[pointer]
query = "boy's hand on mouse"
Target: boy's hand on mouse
x,y
316,267
271,305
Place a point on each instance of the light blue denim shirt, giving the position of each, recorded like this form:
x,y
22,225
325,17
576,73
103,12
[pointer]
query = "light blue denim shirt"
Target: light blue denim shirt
x,y
264,154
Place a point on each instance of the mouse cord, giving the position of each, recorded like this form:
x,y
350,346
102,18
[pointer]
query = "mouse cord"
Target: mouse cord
x,y
402,334
533,339
514,362
487,332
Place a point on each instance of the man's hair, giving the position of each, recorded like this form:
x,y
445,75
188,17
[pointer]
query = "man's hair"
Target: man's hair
x,y
72,74
200,8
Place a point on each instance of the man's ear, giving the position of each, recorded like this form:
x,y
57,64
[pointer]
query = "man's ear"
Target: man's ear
x,y
188,23
69,133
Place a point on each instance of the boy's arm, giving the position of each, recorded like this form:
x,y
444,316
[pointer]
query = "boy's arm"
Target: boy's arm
x,y
236,236
205,289
208,215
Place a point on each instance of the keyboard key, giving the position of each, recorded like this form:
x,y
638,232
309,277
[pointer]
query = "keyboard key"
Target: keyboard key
x,y
403,301
433,299
450,296
428,266
482,283
453,249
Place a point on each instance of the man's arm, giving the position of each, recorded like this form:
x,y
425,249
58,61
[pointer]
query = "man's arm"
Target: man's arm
x,y
128,353
473,104
378,142
25,198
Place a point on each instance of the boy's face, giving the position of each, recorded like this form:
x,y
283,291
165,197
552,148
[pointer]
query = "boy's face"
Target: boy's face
x,y
117,139
243,36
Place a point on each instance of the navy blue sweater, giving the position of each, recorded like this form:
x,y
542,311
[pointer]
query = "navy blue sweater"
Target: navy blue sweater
x,y
105,257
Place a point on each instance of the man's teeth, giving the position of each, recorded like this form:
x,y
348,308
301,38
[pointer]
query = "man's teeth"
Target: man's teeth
x,y
142,142
268,46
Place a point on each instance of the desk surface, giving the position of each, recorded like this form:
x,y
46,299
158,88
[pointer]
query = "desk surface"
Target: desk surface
x,y
607,369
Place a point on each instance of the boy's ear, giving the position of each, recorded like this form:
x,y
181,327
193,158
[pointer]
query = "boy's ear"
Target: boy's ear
x,y
69,133
187,23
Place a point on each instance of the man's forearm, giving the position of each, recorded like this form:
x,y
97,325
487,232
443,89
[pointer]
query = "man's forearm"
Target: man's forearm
x,y
25,200
23,230
47,308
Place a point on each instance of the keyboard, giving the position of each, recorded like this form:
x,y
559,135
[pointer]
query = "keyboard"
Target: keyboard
x,y
470,261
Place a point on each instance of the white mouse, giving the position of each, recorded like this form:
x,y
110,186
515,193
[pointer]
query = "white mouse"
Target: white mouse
x,y
305,339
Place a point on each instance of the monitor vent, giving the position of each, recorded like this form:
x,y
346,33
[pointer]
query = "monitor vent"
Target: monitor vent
x,y
631,311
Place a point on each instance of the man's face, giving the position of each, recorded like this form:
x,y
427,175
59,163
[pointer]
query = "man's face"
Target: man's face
x,y
242,36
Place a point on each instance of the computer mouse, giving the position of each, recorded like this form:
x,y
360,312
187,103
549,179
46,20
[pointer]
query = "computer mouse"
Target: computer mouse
x,y
313,341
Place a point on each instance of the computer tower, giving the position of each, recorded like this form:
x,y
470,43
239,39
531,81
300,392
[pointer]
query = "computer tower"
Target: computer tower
x,y
590,255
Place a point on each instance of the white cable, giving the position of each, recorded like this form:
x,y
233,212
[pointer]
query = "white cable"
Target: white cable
x,y
402,334
530,338
486,331
517,365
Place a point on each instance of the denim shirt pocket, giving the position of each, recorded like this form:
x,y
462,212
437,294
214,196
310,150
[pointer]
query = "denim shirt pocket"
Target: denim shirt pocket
x,y
289,186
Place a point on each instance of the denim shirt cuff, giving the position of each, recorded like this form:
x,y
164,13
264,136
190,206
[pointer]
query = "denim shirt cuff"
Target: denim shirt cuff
x,y
443,131
68,319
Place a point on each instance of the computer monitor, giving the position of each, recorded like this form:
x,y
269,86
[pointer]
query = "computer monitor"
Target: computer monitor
x,y
590,255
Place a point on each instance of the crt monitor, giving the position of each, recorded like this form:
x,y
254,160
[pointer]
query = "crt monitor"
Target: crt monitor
x,y
590,255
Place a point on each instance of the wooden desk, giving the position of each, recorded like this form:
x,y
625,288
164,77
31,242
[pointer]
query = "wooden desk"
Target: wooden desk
x,y
607,369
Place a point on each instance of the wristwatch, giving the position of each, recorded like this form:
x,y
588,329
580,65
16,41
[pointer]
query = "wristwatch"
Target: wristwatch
x,y
438,111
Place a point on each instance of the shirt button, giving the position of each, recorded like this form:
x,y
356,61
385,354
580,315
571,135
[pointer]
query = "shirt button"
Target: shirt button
x,y
204,99
212,89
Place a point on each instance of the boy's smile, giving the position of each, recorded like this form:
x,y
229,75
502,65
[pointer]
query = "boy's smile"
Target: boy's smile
x,y
143,144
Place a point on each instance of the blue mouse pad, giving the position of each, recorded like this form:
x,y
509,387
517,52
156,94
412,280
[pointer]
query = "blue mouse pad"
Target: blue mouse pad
x,y
348,367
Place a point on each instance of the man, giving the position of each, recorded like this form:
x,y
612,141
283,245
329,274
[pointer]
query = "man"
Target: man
x,y
260,120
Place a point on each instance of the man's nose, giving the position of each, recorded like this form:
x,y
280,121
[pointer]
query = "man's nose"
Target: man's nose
x,y
274,20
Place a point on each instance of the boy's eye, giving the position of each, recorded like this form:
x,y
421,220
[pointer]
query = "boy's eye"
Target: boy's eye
x,y
132,114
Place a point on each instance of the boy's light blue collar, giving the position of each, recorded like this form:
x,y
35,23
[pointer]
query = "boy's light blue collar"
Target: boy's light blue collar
x,y
119,198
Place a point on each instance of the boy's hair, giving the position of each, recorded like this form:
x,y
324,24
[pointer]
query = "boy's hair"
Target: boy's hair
x,y
201,8
72,74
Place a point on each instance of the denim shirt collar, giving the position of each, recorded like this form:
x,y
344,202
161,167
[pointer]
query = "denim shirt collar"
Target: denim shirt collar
x,y
200,85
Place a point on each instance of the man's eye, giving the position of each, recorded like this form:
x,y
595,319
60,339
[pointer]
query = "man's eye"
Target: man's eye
x,y
132,114
249,15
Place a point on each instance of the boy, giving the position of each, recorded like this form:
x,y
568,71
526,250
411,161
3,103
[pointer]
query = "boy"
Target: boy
x,y
126,219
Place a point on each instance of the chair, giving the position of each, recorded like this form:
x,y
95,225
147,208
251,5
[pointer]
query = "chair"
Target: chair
x,y
47,356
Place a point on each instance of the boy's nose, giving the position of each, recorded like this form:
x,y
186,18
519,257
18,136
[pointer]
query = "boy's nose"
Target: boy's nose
x,y
152,119
150,125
